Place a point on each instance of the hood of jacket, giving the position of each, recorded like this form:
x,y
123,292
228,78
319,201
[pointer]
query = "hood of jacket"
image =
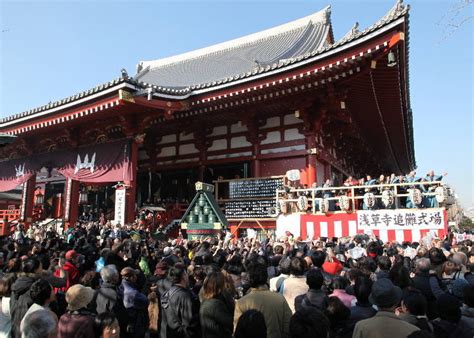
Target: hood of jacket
x,y
23,284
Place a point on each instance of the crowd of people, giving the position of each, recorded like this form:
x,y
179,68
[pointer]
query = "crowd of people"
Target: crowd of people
x,y
114,281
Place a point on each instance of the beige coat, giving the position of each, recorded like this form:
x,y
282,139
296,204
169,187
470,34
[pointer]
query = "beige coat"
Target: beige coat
x,y
294,286
272,305
383,325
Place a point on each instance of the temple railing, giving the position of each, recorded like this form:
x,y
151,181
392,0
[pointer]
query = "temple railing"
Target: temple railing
x,y
9,214
368,197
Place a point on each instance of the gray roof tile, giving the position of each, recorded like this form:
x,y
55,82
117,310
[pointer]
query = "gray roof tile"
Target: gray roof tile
x,y
248,55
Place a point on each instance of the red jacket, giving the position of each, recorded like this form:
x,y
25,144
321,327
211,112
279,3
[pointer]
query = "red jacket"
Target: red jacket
x,y
333,267
72,275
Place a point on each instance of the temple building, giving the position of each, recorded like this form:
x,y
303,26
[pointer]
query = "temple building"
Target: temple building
x,y
289,97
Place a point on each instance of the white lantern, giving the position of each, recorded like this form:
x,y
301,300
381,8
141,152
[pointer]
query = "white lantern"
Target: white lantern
x,y
415,196
388,198
344,203
324,205
302,203
369,200
441,194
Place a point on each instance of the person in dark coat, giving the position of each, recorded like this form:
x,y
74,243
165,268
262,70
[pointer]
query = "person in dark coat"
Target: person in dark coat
x,y
20,300
107,299
467,310
180,307
217,311
315,296
107,294
413,310
383,267
450,324
135,302
318,258
362,309
338,315
251,324
159,285
421,281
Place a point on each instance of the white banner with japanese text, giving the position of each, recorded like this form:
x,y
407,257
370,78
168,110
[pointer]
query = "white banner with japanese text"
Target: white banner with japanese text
x,y
401,219
120,206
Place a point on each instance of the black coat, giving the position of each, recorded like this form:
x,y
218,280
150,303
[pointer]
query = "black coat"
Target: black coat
x,y
421,281
20,301
314,298
360,312
180,309
216,316
444,329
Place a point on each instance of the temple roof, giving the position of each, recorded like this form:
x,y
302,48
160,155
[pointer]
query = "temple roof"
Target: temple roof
x,y
225,64
242,55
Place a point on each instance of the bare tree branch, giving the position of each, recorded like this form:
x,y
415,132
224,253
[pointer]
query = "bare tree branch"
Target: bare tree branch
x,y
454,18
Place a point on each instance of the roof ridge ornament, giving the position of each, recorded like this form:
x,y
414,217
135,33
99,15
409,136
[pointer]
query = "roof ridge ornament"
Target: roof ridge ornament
x,y
353,32
400,6
396,10
124,73
355,29
327,15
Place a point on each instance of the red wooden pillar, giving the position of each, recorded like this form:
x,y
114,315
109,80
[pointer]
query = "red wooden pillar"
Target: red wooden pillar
x,y
28,201
311,160
131,194
71,202
256,161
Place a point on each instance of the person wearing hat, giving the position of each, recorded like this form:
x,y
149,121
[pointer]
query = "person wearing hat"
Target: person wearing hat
x,y
160,279
385,323
77,322
70,267
135,302
169,257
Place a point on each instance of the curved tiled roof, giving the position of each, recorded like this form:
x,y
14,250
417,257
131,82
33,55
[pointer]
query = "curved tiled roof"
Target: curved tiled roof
x,y
69,99
243,55
178,75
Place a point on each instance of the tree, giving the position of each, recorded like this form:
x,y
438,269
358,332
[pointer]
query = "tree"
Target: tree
x,y
466,223
458,14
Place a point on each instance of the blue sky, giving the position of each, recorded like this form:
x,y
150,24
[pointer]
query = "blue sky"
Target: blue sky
x,y
52,49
